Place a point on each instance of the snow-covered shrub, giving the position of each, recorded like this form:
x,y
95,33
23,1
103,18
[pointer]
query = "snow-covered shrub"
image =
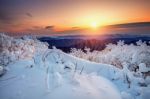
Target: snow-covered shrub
x,y
12,49
118,54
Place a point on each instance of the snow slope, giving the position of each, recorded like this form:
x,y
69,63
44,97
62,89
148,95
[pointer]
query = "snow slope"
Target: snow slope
x,y
51,80
53,74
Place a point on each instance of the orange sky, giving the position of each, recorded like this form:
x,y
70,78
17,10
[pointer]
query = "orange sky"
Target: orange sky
x,y
45,16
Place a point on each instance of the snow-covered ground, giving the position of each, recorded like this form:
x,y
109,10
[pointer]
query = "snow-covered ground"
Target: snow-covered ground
x,y
29,70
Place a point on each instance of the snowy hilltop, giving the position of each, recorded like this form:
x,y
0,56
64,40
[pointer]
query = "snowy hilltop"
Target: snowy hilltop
x,y
30,70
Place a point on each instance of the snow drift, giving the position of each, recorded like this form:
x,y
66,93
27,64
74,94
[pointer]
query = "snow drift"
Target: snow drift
x,y
30,70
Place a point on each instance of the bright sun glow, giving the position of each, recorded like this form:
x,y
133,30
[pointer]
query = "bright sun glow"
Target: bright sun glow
x,y
94,25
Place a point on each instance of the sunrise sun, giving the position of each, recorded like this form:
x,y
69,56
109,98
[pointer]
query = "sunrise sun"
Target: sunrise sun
x,y
94,25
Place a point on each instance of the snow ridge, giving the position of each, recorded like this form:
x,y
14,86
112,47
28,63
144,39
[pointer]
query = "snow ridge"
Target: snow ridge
x,y
50,73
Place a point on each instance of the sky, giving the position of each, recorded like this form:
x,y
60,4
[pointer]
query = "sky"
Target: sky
x,y
50,17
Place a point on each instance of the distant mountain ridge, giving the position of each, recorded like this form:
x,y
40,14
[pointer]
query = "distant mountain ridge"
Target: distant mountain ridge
x,y
65,43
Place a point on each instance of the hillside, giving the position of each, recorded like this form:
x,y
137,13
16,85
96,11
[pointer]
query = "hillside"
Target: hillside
x,y
29,70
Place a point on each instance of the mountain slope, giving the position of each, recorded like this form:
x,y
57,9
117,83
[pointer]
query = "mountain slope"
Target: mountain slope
x,y
44,73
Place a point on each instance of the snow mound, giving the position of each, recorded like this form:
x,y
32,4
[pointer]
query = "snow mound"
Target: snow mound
x,y
53,74
20,48
118,54
26,82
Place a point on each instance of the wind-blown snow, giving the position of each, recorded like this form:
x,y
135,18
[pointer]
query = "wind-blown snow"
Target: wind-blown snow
x,y
45,73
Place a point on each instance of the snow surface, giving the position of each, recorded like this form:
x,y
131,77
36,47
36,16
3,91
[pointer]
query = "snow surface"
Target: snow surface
x,y
53,74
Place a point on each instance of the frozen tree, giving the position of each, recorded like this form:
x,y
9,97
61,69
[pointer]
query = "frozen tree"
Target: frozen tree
x,y
12,49
117,54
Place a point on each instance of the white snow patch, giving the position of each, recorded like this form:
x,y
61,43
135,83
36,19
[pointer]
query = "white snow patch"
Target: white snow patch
x,y
43,73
